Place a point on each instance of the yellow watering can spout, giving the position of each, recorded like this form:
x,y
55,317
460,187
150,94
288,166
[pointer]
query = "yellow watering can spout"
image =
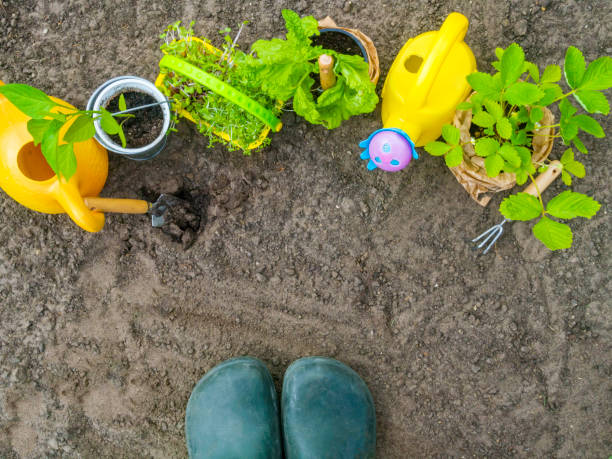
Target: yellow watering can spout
x,y
69,197
27,178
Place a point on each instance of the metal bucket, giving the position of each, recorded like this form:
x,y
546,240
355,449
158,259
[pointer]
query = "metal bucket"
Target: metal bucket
x,y
110,89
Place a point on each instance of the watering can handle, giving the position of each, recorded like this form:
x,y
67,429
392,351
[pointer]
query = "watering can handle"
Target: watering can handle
x,y
453,31
69,197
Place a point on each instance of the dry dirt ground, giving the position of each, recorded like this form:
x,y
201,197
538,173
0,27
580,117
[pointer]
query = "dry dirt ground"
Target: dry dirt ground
x,y
303,252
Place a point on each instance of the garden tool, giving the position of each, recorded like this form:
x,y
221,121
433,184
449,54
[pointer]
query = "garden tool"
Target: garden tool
x,y
426,82
160,210
542,181
26,176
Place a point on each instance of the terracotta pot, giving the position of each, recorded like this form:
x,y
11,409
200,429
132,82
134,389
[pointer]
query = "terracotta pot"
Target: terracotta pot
x,y
366,44
472,175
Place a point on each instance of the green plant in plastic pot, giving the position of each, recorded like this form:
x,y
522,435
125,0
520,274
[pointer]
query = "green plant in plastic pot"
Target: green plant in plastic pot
x,y
285,69
507,108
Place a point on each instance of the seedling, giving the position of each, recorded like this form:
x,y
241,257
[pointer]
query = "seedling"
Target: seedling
x,y
49,117
507,110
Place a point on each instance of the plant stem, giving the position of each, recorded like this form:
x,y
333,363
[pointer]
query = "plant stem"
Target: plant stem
x,y
538,191
563,96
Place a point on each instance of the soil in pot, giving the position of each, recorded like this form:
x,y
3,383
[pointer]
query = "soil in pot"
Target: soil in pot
x,y
145,126
337,41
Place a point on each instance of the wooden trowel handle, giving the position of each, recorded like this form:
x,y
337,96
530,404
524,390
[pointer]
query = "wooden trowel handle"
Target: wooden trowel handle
x,y
544,179
122,206
326,71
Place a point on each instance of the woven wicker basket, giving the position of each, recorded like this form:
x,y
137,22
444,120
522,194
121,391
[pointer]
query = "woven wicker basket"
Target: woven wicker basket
x,y
471,174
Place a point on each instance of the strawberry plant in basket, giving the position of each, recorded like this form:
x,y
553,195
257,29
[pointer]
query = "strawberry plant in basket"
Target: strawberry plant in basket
x,y
508,109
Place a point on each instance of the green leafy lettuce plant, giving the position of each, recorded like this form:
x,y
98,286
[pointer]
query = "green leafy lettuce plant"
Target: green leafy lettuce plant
x,y
210,111
507,110
49,117
284,69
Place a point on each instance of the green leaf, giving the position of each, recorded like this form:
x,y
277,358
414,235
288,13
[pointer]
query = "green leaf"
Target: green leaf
x,y
436,148
510,155
551,93
48,145
300,29
576,168
567,156
357,94
81,129
574,67
57,116
579,145
511,64
504,128
485,84
567,109
523,115
454,157
588,124
521,177
122,104
494,164
108,123
519,137
570,204
592,101
535,114
598,75
464,106
499,52
303,102
66,160
486,146
571,166
522,93
31,101
569,130
494,109
533,70
525,155
37,128
567,179
552,74
451,134
483,119
552,234
521,206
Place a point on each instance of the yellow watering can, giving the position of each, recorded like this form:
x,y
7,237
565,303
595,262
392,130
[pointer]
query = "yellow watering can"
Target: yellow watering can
x,y
426,82
27,178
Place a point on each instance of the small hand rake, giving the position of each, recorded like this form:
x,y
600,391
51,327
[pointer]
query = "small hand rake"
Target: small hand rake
x,y
542,181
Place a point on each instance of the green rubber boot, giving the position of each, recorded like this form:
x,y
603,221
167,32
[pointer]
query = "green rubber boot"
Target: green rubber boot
x,y
327,412
232,413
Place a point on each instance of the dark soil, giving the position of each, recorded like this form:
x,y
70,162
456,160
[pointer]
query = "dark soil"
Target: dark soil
x,y
146,124
181,216
303,252
336,41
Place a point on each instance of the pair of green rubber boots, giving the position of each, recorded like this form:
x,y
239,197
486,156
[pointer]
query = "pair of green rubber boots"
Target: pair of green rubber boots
x,y
326,412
